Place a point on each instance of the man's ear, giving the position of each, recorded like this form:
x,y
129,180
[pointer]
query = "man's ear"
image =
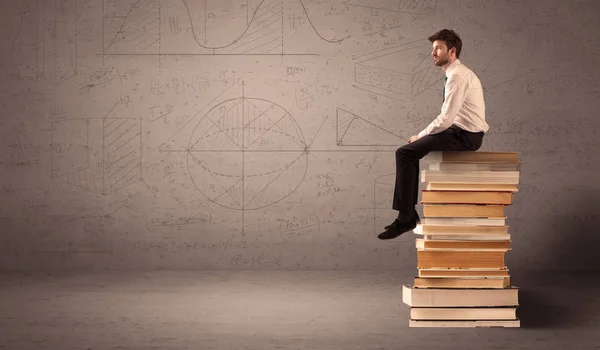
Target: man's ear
x,y
453,50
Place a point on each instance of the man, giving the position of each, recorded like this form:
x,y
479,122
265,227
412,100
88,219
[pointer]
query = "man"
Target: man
x,y
460,126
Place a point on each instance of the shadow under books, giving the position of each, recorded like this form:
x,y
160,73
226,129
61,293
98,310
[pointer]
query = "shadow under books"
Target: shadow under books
x,y
566,242
558,299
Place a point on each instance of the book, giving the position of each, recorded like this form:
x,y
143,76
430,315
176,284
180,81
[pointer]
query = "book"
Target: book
x,y
463,273
460,259
505,237
466,197
463,210
467,186
472,157
425,244
477,177
450,221
455,282
459,230
473,166
472,324
459,314
439,297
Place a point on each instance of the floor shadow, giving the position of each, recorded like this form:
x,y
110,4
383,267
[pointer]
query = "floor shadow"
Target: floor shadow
x,y
573,227
551,300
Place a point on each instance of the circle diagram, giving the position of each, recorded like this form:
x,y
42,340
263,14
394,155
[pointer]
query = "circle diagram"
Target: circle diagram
x,y
246,154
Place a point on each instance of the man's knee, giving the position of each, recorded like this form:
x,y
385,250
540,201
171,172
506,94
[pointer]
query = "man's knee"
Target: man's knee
x,y
405,153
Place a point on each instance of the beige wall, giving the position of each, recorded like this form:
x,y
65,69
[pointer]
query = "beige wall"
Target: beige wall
x,y
261,134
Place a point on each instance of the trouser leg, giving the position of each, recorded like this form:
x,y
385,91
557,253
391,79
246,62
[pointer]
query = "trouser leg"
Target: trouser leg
x,y
407,163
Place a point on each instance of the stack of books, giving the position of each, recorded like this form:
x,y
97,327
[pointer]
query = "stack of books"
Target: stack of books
x,y
462,240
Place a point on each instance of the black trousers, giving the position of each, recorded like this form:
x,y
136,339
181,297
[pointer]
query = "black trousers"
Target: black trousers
x,y
407,163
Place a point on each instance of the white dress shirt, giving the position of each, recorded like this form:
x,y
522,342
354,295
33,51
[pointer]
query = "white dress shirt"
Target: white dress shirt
x,y
463,102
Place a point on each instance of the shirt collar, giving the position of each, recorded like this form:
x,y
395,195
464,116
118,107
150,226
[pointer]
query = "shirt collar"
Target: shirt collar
x,y
452,66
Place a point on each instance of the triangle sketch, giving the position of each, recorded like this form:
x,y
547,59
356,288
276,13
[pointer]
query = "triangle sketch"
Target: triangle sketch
x,y
352,130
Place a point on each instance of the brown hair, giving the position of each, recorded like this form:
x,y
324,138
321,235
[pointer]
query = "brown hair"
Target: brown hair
x,y
451,39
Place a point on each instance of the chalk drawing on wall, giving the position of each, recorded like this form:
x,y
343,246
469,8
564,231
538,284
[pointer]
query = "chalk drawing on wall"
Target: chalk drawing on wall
x,y
414,7
402,70
353,130
99,155
168,219
303,229
46,44
245,153
153,27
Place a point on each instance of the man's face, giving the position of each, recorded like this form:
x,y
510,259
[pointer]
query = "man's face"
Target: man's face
x,y
440,53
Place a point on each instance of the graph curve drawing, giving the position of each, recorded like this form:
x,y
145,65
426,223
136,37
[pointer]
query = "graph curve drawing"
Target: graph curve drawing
x,y
353,130
163,27
99,155
245,153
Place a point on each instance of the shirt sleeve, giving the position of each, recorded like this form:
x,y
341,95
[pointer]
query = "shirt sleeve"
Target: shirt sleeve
x,y
456,91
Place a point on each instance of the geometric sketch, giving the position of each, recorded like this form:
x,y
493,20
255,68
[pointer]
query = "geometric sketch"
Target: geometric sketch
x,y
46,45
304,229
352,130
415,7
153,27
244,154
99,155
399,70
138,31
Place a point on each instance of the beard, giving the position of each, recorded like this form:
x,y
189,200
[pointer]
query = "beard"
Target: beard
x,y
441,61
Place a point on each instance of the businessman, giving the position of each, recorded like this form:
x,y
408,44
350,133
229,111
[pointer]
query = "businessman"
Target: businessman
x,y
460,126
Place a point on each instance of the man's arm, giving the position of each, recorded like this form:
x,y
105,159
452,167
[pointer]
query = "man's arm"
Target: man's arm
x,y
456,91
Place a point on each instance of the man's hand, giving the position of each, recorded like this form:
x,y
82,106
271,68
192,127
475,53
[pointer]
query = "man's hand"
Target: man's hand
x,y
413,138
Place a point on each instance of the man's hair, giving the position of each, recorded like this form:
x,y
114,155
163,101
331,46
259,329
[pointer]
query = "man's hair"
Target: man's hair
x,y
450,37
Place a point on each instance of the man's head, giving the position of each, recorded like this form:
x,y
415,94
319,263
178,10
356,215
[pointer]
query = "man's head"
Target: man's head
x,y
446,47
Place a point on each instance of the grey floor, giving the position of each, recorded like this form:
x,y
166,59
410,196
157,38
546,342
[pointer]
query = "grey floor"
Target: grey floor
x,y
273,310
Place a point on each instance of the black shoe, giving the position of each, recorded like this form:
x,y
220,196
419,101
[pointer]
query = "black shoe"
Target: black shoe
x,y
397,228
415,215
390,225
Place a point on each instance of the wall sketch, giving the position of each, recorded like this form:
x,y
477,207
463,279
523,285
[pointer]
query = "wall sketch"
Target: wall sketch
x,y
266,137
49,51
413,7
99,155
397,71
244,153
183,27
353,130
